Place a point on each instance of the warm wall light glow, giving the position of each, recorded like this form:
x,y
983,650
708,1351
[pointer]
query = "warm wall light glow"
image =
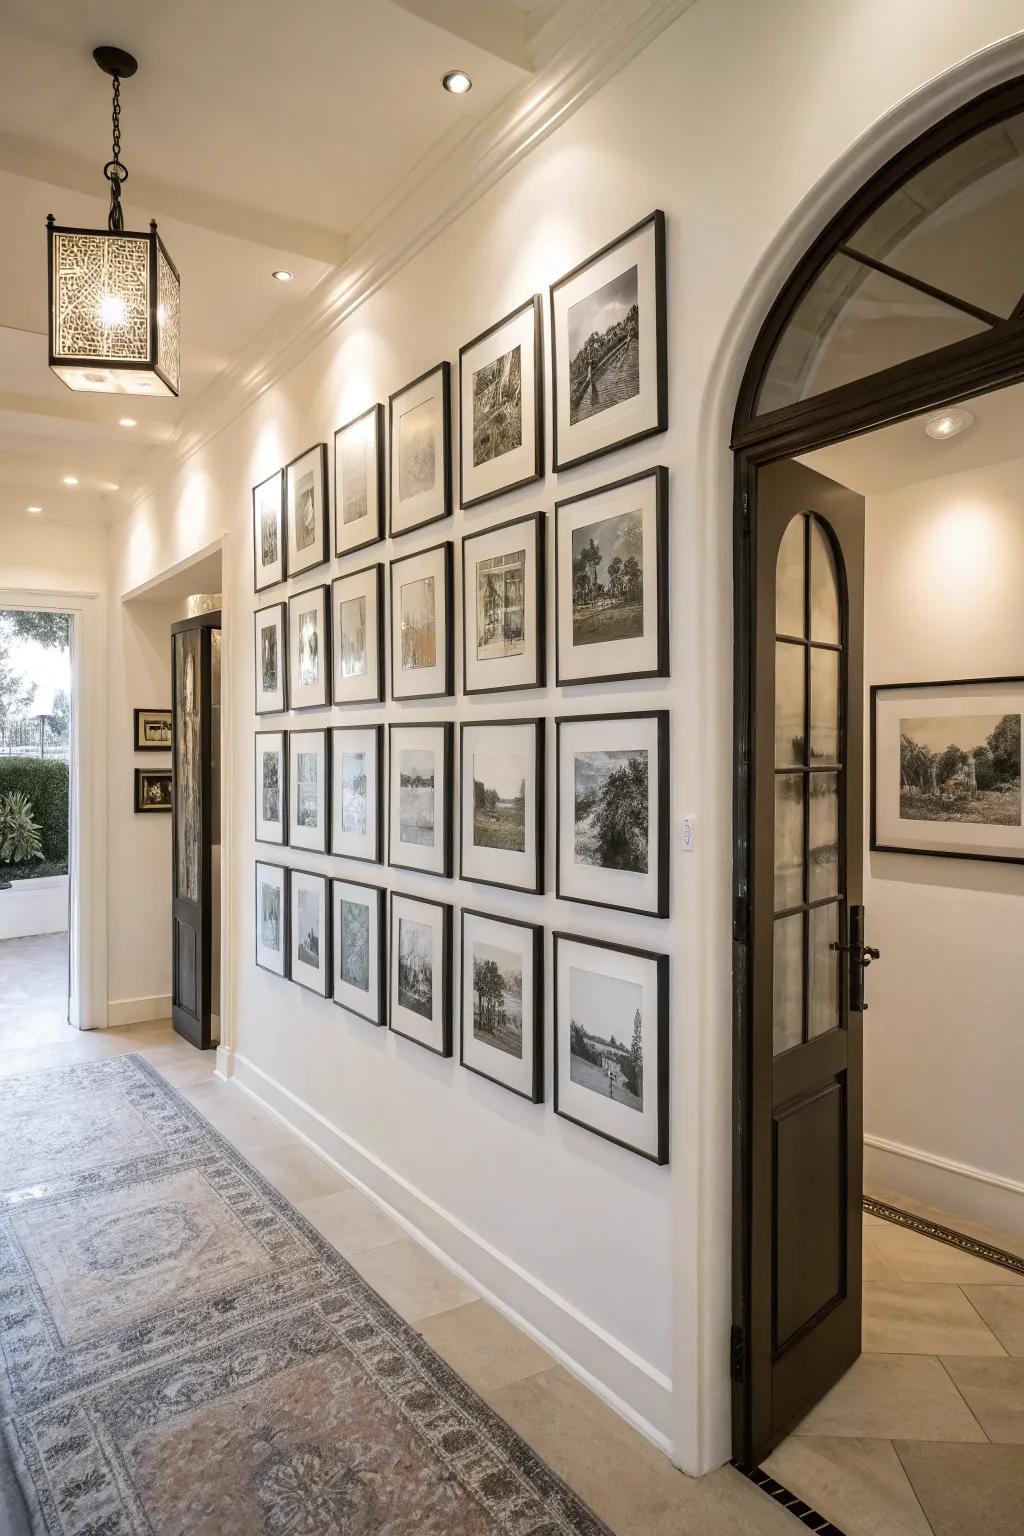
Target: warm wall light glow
x,y
282,275
457,81
128,421
946,424
70,479
33,509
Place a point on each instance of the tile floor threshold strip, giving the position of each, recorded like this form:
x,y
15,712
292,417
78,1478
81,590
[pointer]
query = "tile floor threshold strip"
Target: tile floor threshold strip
x,y
797,1506
926,1228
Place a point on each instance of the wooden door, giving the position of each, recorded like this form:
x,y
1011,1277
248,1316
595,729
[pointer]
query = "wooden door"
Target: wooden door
x,y
803,1286
195,797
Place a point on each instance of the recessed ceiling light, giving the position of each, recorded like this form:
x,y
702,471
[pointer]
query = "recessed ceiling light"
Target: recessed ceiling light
x,y
112,487
945,424
128,421
70,479
33,509
457,81
282,275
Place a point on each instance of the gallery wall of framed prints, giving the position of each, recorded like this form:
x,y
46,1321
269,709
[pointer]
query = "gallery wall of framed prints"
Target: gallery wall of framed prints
x,y
383,646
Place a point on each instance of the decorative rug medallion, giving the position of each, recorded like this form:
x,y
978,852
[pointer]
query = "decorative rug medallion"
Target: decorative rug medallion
x,y
183,1353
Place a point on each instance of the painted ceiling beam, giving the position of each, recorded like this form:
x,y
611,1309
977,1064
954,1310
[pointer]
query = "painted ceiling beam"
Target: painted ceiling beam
x,y
497,27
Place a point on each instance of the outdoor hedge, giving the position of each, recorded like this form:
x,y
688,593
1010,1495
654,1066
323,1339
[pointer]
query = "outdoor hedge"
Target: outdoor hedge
x,y
45,781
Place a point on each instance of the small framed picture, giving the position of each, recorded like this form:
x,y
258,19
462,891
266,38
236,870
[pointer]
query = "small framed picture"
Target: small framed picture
x,y
611,843
501,406
359,473
420,431
503,607
271,786
153,790
309,651
357,633
611,581
422,654
271,650
608,349
502,1031
357,767
945,769
420,972
501,771
153,730
272,918
268,543
611,1042
360,956
306,500
420,797
309,754
309,939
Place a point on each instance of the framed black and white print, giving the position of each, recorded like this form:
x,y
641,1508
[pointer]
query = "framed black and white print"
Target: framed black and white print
x,y
503,607
309,791
154,789
357,635
611,581
359,474
611,1042
608,347
307,519
502,1030
420,771
357,768
272,918
271,786
360,956
420,972
270,638
309,650
420,432
501,771
945,769
612,837
501,405
268,541
422,652
309,938
152,730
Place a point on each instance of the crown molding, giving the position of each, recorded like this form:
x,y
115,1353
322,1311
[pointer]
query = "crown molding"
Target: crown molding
x,y
585,47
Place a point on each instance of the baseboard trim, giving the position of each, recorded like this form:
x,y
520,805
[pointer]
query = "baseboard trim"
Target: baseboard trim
x,y
137,1010
223,1069
630,1385
957,1188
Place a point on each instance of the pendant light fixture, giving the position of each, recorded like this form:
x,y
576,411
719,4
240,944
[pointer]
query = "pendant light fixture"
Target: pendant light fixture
x,y
115,295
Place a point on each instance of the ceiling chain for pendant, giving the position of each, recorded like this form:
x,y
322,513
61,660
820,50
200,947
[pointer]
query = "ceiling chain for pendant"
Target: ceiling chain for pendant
x,y
114,171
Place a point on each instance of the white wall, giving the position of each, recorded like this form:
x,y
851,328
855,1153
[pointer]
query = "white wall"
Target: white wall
x,y
943,1065
731,119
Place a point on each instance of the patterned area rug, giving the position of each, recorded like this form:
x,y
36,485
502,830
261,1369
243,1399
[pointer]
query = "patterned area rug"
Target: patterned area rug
x,y
183,1352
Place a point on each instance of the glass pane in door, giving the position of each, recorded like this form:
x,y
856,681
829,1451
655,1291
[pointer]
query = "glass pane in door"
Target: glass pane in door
x,y
824,706
789,840
823,841
824,589
823,1003
788,982
789,704
789,580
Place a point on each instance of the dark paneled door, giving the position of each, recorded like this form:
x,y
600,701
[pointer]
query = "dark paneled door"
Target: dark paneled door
x,y
195,755
806,1146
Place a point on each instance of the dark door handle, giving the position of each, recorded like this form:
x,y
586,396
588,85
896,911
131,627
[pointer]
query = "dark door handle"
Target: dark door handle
x,y
863,954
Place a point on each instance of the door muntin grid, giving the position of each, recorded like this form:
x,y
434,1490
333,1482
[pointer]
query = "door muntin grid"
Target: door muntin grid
x,y
810,784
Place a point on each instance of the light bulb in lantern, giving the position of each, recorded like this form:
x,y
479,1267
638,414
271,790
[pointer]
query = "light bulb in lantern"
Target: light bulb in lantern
x,y
112,309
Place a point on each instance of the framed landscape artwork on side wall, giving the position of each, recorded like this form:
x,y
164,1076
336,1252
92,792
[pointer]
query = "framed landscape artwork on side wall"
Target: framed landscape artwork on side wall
x,y
422,653
270,662
502,1033
152,730
271,786
268,541
503,609
420,774
309,654
309,923
153,789
357,634
359,475
502,777
272,918
309,767
420,972
420,429
307,516
357,825
501,432
946,769
360,956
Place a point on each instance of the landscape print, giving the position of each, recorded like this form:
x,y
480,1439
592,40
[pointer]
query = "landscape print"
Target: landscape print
x,y
353,637
608,579
271,787
353,472
309,649
417,457
498,407
498,998
269,657
308,917
500,606
307,764
611,809
305,510
416,797
604,347
961,768
353,793
499,800
419,634
269,550
606,1051
355,944
270,917
416,966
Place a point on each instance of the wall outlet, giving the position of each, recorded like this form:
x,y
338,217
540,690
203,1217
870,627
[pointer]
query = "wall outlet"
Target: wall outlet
x,y
689,833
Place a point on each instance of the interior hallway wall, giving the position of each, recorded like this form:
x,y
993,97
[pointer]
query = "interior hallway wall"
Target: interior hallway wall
x,y
943,1065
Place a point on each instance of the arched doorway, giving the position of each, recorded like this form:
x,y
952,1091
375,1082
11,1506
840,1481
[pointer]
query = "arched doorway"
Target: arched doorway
x,y
911,298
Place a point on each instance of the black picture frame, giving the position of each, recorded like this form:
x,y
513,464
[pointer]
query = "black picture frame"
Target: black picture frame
x,y
165,775
325,532
380,478
378,790
447,799
282,841
539,680
379,693
929,853
282,611
447,1024
282,533
328,937
286,913
324,845
536,1095
659,475
536,304
382,951
661,961
539,723
662,840
657,220
327,652
138,715
445,371
448,588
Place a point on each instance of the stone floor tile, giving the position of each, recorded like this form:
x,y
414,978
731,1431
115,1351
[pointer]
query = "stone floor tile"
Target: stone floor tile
x,y
888,1397
922,1259
299,1173
968,1490
994,1392
859,1484
1002,1307
905,1319
351,1222
408,1277
483,1347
